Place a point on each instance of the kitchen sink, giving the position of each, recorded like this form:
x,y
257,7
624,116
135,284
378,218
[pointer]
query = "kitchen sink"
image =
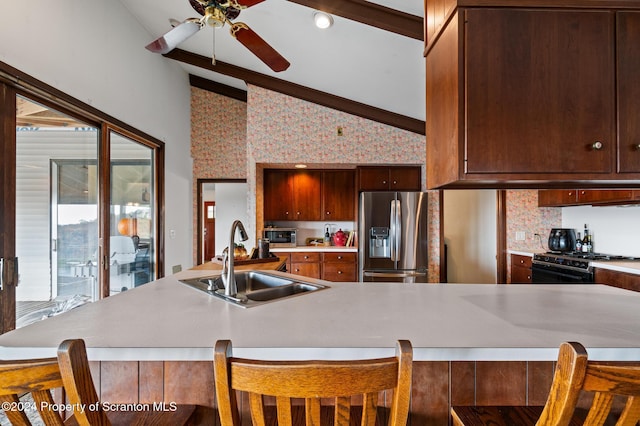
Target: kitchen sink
x,y
254,288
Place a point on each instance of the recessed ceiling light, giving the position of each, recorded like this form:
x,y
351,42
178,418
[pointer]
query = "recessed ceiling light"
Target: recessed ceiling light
x,y
323,20
300,166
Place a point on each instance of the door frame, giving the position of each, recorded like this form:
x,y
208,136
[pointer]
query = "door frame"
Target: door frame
x,y
198,229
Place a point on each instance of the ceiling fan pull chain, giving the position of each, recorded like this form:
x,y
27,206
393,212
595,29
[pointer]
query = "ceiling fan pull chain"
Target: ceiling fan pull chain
x,y
213,54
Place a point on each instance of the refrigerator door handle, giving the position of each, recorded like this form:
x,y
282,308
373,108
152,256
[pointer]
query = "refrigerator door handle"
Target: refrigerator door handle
x,y
394,274
398,235
392,230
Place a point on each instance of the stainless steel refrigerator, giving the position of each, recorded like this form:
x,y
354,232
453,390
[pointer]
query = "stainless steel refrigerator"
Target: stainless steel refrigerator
x,y
392,229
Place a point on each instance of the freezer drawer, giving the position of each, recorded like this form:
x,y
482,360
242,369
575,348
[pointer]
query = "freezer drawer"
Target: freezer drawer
x,y
395,276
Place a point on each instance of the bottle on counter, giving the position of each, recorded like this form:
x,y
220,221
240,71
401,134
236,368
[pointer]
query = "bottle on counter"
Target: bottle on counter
x,y
327,237
586,240
579,243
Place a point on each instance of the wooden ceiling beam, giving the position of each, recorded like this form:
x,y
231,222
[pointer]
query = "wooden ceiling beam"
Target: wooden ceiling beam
x,y
372,14
300,92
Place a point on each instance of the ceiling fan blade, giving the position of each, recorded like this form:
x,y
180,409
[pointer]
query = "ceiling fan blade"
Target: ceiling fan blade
x,y
174,37
252,41
248,3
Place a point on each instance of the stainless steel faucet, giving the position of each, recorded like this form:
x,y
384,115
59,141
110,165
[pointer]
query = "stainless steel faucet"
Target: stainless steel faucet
x,y
228,274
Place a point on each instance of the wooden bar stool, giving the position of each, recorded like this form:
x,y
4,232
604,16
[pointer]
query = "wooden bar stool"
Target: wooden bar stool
x,y
76,376
311,381
573,374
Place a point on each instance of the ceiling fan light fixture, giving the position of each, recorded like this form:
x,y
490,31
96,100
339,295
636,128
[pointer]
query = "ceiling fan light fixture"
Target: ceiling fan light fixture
x,y
322,20
214,17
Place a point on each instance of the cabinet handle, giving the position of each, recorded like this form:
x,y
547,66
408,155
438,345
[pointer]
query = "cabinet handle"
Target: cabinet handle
x,y
637,147
339,257
570,193
327,213
522,261
298,213
306,257
384,182
297,270
339,272
395,182
583,192
597,145
287,213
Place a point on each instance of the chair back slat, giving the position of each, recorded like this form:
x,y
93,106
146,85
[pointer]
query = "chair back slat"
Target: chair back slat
x,y
313,381
312,411
631,412
342,411
37,377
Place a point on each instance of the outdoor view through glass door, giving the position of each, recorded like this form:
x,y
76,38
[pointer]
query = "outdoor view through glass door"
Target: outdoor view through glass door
x,y
132,239
56,211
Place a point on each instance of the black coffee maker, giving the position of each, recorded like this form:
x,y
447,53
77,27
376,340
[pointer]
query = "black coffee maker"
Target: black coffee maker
x,y
562,240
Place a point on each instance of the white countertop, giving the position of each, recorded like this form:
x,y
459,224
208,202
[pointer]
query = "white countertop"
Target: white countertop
x,y
166,320
314,248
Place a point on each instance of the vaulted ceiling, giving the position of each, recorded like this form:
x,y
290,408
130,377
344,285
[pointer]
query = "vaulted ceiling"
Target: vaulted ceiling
x,y
369,63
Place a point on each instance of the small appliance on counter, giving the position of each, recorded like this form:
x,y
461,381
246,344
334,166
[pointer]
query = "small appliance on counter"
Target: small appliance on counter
x,y
280,237
562,240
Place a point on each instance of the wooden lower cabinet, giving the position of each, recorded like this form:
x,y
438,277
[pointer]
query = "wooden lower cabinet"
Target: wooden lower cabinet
x,y
306,264
520,269
436,386
623,280
339,266
330,266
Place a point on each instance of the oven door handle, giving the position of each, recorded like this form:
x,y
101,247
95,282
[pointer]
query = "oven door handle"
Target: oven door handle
x,y
558,273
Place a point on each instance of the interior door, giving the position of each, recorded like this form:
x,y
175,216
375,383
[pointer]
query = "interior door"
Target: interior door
x,y
209,230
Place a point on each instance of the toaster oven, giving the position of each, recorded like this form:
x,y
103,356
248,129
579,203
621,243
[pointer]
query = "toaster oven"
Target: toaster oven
x,y
280,237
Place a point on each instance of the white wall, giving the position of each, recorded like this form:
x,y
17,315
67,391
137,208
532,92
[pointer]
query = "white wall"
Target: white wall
x,y
231,204
615,230
94,51
470,234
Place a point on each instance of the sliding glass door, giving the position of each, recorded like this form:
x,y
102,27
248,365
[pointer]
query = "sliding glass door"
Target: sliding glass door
x,y
79,205
56,211
132,214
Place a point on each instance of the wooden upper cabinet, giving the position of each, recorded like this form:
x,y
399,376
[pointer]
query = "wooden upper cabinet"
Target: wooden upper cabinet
x,y
291,195
541,99
394,178
309,195
338,195
557,197
576,197
533,96
628,45
306,195
278,195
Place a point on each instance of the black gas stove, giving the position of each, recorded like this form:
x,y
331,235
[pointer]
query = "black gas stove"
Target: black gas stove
x,y
569,267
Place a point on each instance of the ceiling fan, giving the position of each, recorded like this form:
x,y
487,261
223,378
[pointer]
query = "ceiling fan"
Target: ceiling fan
x,y
216,13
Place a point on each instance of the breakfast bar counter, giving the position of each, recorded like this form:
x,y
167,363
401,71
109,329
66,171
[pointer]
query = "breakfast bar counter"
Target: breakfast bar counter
x,y
473,343
166,320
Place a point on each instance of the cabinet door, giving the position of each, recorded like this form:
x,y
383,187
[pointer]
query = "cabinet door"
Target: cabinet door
x,y
617,279
306,195
520,269
373,178
405,178
628,45
278,195
557,197
539,91
587,196
338,195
